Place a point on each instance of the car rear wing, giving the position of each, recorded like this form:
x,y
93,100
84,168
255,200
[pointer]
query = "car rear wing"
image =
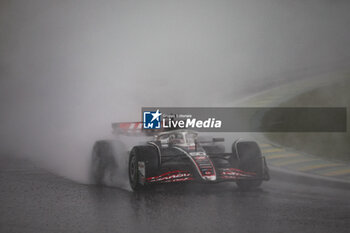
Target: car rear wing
x,y
133,129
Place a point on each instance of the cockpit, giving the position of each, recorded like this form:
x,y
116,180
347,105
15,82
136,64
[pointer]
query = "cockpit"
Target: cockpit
x,y
183,138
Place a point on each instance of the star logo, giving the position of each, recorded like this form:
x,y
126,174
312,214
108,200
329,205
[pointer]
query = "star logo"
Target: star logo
x,y
151,120
156,115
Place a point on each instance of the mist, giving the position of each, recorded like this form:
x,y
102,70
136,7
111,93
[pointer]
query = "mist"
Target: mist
x,y
68,69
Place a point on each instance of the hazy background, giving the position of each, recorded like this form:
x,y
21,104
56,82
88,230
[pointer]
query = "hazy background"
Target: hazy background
x,y
70,68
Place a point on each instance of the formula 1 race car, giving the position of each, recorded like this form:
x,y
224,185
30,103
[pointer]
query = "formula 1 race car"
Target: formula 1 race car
x,y
179,156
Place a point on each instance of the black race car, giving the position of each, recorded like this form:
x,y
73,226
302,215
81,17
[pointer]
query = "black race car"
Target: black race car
x,y
178,156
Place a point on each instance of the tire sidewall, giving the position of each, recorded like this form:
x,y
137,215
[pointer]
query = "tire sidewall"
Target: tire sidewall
x,y
147,154
133,175
250,163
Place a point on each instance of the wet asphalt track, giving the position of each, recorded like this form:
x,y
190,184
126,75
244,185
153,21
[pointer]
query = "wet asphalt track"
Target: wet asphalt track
x,y
32,200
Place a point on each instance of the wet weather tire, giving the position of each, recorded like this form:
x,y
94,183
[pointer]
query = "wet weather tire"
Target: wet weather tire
x,y
250,160
149,156
134,173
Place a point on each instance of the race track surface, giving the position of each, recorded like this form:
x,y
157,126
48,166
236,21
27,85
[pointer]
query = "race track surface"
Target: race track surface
x,y
33,200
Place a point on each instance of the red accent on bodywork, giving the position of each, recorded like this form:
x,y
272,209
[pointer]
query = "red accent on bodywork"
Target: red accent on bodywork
x,y
172,176
234,173
179,180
